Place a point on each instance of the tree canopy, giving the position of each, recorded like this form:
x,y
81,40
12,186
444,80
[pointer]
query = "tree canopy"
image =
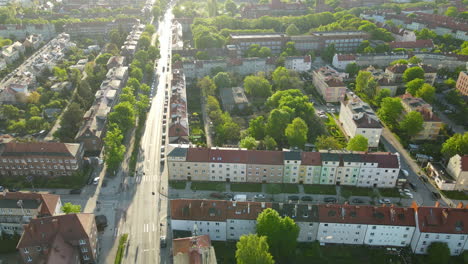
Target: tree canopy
x,y
438,253
296,133
413,73
222,80
69,208
412,123
249,143
390,110
257,86
457,144
358,143
253,249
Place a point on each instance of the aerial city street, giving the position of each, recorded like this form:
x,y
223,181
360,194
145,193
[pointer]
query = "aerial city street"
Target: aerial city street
x,y
269,131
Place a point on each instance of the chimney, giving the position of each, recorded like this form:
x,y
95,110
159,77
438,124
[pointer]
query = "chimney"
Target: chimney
x,y
414,205
392,214
263,204
460,205
444,216
234,203
248,208
437,204
281,206
201,204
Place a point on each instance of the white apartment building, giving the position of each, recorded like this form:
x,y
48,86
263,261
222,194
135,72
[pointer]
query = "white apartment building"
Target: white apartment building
x,y
458,169
340,61
228,165
292,163
208,217
329,83
358,118
298,63
436,224
242,218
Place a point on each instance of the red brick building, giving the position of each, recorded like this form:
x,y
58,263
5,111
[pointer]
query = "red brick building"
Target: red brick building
x,y
462,83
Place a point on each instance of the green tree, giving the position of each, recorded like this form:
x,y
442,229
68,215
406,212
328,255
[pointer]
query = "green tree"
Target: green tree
x,y
390,110
292,30
60,74
34,124
401,61
212,8
438,253
414,60
123,115
248,143
427,93
257,86
253,249
281,233
202,55
264,52
257,128
156,11
230,7
114,151
10,112
207,86
144,42
358,143
289,49
150,29
270,143
103,58
18,126
136,73
451,11
69,208
70,123
284,79
413,73
381,94
352,69
366,84
425,34
413,86
412,123
277,123
328,53
296,133
327,142
222,80
457,144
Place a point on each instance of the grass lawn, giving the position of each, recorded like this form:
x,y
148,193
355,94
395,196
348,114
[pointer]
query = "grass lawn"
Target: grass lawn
x,y
456,195
179,185
320,189
290,188
246,187
389,192
8,243
277,188
347,191
225,252
208,186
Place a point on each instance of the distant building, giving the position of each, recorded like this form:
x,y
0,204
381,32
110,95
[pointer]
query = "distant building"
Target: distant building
x,y
12,52
384,80
48,159
413,45
329,83
358,118
70,238
274,41
344,41
275,8
432,123
340,61
33,41
233,98
195,249
115,61
19,208
462,83
22,31
395,72
178,124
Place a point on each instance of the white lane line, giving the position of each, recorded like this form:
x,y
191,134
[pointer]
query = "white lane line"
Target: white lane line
x,y
153,227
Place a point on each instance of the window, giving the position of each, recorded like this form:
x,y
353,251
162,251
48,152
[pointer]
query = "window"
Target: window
x,y
426,236
29,259
82,242
25,250
85,257
84,249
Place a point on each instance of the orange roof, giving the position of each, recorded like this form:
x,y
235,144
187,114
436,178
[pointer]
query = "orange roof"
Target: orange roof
x,y
48,201
245,210
311,158
443,220
184,245
205,210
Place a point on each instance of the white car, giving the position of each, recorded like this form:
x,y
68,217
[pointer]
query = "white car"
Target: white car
x,y
384,201
410,195
405,172
96,181
259,196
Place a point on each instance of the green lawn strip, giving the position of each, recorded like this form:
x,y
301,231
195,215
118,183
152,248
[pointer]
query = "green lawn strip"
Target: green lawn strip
x,y
290,188
348,191
246,187
273,188
225,252
179,185
8,243
456,195
320,189
208,186
389,192
120,249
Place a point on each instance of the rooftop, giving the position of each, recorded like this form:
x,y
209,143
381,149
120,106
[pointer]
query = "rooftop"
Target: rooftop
x,y
17,149
443,220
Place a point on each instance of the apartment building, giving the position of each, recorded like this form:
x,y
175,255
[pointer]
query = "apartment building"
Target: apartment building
x,y
462,83
358,118
33,41
452,177
22,31
274,41
330,223
275,8
70,238
329,83
49,159
344,41
18,208
396,71
437,224
12,53
432,123
179,123
340,61
329,168
99,27
193,249
384,80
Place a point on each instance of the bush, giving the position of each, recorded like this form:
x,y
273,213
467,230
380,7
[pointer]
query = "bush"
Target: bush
x,y
389,192
120,249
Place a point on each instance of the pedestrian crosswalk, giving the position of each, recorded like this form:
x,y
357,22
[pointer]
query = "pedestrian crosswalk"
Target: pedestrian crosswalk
x,y
143,178
150,227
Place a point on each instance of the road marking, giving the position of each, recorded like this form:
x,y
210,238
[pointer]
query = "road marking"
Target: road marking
x,y
153,227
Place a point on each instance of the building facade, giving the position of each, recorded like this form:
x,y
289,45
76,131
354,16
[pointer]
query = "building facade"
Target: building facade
x,y
462,83
329,83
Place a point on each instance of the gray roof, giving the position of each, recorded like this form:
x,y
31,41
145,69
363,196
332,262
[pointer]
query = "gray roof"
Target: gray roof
x,y
292,155
330,156
178,152
12,203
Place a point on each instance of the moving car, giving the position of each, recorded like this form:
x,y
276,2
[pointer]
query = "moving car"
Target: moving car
x,y
412,186
405,172
96,181
259,196
163,241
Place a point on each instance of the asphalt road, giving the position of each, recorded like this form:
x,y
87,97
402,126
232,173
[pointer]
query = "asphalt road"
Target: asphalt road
x,y
146,219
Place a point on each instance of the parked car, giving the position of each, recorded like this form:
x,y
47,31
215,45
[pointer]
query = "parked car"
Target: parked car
x,y
306,198
436,195
13,190
217,195
2,188
408,194
75,191
229,195
405,172
424,179
329,199
412,186
293,198
259,196
96,181
357,201
163,241
384,201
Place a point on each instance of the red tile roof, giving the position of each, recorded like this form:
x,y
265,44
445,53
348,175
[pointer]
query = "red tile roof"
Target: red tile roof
x,y
185,245
245,210
311,158
353,214
385,160
464,163
264,157
205,210
418,44
35,148
228,156
346,57
48,201
443,220
71,227
198,155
